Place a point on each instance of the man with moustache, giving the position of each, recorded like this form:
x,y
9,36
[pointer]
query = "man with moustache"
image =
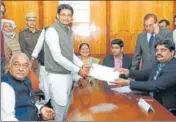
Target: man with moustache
x,y
28,39
146,40
160,80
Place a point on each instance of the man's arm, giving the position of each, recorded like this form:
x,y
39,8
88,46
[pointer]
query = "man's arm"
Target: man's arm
x,y
52,40
164,34
39,44
23,44
140,75
165,81
7,103
137,56
77,61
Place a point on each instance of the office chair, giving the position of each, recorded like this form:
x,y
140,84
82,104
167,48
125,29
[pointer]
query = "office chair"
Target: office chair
x,y
173,111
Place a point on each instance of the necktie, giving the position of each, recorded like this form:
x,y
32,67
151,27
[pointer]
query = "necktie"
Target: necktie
x,y
159,68
151,40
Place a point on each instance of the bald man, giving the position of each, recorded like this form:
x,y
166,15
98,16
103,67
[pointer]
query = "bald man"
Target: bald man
x,y
19,104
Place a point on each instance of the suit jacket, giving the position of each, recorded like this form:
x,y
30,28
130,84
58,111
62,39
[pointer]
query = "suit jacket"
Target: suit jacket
x,y
143,50
164,87
109,61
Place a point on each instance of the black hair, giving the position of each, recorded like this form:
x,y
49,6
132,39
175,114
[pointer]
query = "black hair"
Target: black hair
x,y
118,42
167,43
64,6
4,7
165,20
80,46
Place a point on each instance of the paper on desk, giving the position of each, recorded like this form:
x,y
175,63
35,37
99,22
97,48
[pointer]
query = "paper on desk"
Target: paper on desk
x,y
104,73
123,89
104,107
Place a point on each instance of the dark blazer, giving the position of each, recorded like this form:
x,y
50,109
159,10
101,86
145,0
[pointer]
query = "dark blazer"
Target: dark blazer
x,y
145,52
109,61
164,87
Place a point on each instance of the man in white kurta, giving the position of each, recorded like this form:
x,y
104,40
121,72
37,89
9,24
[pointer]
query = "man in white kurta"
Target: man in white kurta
x,y
60,60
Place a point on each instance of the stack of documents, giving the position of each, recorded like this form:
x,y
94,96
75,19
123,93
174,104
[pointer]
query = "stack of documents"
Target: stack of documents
x,y
104,73
124,89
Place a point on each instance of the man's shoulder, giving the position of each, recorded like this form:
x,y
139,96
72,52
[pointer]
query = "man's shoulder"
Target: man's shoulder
x,y
142,33
108,56
127,57
24,30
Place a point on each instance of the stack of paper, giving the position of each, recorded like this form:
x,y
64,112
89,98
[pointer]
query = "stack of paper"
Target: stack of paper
x,y
124,89
104,73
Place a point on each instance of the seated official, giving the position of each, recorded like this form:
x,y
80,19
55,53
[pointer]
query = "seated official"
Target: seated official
x,y
84,50
17,95
117,58
161,77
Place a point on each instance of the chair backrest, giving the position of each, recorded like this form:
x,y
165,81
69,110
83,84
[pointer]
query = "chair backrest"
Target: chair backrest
x,y
34,80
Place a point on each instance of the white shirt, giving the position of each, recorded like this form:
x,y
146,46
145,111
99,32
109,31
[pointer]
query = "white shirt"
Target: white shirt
x,y
149,35
8,103
39,45
52,36
52,40
174,36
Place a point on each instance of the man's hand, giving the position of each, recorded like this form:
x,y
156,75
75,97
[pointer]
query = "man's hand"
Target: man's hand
x,y
122,82
47,113
83,82
156,28
34,63
122,70
8,54
84,71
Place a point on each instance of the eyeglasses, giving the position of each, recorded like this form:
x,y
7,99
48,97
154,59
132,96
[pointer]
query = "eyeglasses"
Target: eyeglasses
x,y
64,15
31,20
18,65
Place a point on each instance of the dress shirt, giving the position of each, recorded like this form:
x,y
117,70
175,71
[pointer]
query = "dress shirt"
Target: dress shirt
x,y
149,35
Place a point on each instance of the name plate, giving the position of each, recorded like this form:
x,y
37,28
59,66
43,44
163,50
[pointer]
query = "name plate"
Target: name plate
x,y
145,106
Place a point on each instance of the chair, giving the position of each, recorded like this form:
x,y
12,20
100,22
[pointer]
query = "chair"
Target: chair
x,y
35,86
173,111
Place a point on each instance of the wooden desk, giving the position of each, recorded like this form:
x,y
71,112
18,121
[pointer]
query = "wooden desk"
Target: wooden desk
x,y
126,105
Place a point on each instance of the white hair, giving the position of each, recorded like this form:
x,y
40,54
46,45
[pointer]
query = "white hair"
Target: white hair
x,y
16,55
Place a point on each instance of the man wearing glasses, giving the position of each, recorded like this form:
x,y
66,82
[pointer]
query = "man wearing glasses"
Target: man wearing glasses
x,y
146,41
28,39
17,96
60,60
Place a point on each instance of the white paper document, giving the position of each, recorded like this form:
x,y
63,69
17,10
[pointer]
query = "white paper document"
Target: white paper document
x,y
104,107
123,89
104,73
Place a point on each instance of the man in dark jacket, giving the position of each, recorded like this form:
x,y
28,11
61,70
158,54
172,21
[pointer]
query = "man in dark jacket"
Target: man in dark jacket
x,y
17,96
117,58
160,79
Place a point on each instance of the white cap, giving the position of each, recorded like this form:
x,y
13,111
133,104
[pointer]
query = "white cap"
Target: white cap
x,y
3,21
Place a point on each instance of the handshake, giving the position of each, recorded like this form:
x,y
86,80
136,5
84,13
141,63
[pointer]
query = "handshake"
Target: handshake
x,y
84,73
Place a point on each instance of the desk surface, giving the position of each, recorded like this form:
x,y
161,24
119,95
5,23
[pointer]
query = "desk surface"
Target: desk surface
x,y
126,107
